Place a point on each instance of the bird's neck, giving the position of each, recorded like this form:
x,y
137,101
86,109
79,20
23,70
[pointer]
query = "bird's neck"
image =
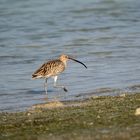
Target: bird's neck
x,y
64,61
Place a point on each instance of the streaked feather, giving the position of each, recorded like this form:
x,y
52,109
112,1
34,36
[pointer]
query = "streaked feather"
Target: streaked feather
x,y
48,69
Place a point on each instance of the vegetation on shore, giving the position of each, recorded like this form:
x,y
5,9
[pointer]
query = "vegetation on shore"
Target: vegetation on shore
x,y
106,117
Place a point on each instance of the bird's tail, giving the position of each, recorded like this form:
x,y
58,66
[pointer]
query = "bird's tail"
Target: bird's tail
x,y
35,76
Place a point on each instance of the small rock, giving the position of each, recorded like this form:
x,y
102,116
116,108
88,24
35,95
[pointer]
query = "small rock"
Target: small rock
x,y
94,97
91,123
123,95
28,114
137,112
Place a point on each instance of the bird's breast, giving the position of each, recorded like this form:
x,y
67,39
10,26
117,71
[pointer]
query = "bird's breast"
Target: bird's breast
x,y
56,67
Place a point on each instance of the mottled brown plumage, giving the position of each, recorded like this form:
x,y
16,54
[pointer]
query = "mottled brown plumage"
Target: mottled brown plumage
x,y
52,69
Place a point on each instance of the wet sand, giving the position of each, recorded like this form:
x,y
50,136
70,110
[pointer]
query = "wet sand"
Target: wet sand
x,y
104,118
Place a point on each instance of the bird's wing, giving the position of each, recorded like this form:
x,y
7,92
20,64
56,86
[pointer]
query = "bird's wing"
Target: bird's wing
x,y
50,68
56,67
39,72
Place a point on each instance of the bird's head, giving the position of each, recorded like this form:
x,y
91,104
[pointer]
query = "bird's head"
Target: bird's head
x,y
64,58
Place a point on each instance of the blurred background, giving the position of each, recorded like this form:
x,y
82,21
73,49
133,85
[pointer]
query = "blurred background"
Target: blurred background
x,y
103,34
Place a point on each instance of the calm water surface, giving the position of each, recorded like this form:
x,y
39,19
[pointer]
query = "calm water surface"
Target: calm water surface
x,y
104,34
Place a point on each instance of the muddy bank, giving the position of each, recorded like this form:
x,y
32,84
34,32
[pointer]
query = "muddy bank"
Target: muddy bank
x,y
102,117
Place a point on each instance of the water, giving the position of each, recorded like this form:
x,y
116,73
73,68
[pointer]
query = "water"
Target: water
x,y
104,34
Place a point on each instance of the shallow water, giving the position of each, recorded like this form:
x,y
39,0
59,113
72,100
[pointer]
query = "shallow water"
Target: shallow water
x,y
104,34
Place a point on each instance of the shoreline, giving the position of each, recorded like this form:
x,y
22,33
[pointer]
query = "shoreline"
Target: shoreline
x,y
66,97
103,117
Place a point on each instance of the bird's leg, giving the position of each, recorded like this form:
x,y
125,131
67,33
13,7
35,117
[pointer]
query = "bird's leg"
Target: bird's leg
x,y
45,85
58,86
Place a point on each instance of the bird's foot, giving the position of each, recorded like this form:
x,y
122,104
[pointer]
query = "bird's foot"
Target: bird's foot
x,y
65,89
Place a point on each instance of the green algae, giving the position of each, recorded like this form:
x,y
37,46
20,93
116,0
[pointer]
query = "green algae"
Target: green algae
x,y
104,118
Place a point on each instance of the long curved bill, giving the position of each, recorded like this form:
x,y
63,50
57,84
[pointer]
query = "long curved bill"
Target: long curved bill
x,y
78,62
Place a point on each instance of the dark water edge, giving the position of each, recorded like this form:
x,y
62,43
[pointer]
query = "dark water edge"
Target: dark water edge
x,y
104,118
65,97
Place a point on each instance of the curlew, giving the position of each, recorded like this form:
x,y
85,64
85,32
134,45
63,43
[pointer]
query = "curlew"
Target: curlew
x,y
52,69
